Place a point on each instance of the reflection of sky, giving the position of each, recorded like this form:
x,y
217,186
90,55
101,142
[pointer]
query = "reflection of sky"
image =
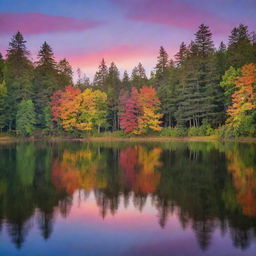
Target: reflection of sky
x,y
125,31
128,232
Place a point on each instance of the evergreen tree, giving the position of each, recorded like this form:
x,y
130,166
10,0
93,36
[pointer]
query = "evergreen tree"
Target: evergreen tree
x,y
25,118
221,59
181,55
65,73
204,41
18,75
46,81
1,68
162,67
101,76
126,84
200,96
139,77
3,105
113,91
240,48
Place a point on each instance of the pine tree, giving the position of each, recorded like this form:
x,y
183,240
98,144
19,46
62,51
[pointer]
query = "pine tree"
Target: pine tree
x,y
1,68
200,96
113,91
139,77
18,75
25,118
65,73
101,76
181,55
126,84
46,81
204,41
240,48
3,105
162,67
221,59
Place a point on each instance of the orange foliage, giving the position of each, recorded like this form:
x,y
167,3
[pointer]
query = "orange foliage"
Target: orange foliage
x,y
244,179
244,97
140,168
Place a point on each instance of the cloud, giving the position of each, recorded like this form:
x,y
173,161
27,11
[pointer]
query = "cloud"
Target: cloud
x,y
118,53
37,23
173,13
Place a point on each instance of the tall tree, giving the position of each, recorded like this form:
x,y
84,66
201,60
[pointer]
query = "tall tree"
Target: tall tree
x,y
200,96
46,81
65,73
18,75
139,78
1,68
162,67
3,105
113,91
126,83
240,48
181,55
101,76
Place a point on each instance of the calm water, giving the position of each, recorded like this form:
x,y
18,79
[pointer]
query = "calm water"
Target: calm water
x,y
77,198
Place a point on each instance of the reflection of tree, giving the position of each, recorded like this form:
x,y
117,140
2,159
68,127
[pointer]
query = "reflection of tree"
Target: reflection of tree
x,y
24,187
140,168
244,179
190,180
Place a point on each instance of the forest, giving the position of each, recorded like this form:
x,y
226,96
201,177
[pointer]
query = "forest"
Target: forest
x,y
204,90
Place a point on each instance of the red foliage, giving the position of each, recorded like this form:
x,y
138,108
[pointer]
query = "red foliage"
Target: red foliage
x,y
129,115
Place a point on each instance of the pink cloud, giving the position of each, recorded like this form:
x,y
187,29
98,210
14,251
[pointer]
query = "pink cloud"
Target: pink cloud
x,y
36,23
119,53
174,13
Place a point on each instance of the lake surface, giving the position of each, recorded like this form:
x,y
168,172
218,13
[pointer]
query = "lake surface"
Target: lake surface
x,y
79,198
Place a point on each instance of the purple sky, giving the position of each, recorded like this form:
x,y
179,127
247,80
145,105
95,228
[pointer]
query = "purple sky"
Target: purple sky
x,y
123,31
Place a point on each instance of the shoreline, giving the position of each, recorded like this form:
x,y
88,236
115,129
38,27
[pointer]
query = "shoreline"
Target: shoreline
x,y
7,139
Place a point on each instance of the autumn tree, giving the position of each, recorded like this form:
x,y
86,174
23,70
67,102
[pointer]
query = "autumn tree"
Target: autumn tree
x,y
140,111
243,106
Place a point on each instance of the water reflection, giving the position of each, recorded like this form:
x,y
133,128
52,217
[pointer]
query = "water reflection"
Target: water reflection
x,y
209,186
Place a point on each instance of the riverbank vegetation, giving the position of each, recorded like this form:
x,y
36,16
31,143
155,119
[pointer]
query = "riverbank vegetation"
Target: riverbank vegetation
x,y
203,91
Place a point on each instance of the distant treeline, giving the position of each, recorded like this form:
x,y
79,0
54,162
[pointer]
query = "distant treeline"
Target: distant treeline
x,y
202,89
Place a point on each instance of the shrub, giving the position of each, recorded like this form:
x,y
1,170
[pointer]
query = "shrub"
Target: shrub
x,y
173,132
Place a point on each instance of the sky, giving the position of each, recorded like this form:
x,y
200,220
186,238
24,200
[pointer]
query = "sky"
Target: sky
x,y
124,31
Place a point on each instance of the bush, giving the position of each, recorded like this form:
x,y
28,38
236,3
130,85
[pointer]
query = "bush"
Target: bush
x,y
225,132
173,132
204,130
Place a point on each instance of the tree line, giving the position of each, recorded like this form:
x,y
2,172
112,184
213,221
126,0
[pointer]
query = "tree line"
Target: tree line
x,y
201,89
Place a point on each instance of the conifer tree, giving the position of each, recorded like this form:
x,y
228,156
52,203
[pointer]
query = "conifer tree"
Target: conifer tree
x,y
101,76
181,55
113,91
1,68
126,84
162,67
139,77
46,81
240,48
18,76
3,105
65,73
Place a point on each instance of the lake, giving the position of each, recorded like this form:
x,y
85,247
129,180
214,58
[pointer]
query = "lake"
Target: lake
x,y
127,198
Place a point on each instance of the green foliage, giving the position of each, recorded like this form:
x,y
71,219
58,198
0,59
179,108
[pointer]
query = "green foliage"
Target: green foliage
x,y
3,105
204,130
228,84
25,119
173,132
